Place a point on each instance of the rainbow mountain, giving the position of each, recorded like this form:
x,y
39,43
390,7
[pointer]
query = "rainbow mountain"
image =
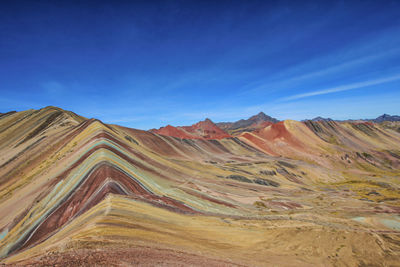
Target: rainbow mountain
x,y
261,192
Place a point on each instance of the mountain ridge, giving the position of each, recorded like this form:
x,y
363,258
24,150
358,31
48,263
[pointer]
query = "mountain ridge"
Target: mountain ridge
x,y
71,187
387,117
254,122
205,129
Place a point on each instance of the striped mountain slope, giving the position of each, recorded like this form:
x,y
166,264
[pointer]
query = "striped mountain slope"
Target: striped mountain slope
x,y
76,191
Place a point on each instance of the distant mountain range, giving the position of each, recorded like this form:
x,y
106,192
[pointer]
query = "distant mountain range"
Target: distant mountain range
x,y
202,130
209,130
321,119
386,117
382,118
261,120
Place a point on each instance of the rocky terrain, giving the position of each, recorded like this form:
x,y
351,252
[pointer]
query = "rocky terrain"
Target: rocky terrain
x,y
258,192
255,122
202,130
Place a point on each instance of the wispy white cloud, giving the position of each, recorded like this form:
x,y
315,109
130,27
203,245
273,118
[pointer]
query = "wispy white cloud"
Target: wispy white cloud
x,y
346,87
347,64
291,76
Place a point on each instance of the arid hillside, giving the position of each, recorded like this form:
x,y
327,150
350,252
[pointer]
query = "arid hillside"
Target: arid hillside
x,y
79,192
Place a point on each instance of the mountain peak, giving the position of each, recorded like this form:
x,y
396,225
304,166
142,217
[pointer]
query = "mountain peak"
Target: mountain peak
x,y
205,129
319,118
261,120
387,117
262,117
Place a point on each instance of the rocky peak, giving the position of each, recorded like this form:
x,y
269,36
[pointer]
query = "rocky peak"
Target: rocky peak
x,y
262,117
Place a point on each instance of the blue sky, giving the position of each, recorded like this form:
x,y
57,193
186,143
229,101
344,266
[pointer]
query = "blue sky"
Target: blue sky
x,y
146,64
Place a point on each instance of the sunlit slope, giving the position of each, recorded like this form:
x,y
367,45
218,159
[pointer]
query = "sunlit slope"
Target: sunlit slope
x,y
96,159
71,186
119,223
89,166
330,143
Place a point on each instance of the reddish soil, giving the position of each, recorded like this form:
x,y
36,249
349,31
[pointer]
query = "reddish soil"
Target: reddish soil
x,y
260,125
279,131
259,143
202,130
207,129
175,132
